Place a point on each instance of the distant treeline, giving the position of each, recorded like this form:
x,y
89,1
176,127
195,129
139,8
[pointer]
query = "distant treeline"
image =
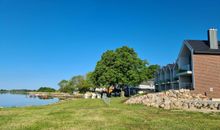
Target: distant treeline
x,y
16,91
24,91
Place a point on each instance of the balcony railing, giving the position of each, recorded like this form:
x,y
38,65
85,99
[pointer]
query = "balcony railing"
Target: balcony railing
x,y
186,85
185,68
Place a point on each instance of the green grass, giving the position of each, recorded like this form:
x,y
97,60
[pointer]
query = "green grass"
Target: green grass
x,y
86,114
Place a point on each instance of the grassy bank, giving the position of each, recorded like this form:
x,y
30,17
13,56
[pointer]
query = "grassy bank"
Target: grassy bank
x,y
94,114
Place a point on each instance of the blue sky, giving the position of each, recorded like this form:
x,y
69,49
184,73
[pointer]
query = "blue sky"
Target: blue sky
x,y
45,41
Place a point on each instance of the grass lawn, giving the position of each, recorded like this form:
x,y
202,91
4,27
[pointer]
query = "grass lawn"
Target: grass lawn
x,y
88,114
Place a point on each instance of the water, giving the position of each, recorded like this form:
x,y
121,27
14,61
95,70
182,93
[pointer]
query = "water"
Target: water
x,y
19,100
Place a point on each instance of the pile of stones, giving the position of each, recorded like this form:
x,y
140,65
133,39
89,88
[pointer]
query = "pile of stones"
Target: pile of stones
x,y
176,99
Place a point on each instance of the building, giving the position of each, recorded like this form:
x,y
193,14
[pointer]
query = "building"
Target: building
x,y
147,85
197,68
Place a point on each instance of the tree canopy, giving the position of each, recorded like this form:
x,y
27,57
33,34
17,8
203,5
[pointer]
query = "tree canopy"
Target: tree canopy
x,y
120,67
152,70
65,86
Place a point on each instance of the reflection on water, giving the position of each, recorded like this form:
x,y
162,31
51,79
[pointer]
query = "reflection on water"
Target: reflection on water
x,y
43,97
18,100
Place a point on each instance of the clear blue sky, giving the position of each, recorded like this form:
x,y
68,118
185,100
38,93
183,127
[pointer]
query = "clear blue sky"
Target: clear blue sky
x,y
45,41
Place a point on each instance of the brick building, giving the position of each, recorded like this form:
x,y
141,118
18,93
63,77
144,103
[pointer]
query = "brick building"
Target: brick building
x,y
197,68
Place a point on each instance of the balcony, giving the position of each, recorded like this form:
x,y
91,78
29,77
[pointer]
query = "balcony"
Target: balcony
x,y
175,81
185,70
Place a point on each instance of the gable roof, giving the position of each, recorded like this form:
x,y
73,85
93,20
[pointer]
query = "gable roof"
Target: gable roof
x,y
171,65
202,47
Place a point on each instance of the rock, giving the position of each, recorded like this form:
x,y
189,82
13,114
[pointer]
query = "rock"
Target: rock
x,y
216,105
93,95
185,105
211,106
218,108
181,90
98,96
87,95
205,104
177,104
167,105
198,105
161,105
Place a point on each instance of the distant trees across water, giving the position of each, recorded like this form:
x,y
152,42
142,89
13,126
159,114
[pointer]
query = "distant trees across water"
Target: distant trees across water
x,y
25,91
46,89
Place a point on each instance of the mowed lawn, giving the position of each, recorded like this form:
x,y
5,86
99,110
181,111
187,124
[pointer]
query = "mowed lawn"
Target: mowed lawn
x,y
86,114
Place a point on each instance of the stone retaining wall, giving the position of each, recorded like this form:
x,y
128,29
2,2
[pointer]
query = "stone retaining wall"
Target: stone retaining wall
x,y
176,99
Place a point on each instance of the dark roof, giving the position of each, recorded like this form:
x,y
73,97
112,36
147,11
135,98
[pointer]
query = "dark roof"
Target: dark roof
x,y
171,65
202,47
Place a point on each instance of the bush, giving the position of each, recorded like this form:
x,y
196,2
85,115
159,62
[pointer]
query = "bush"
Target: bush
x,y
67,89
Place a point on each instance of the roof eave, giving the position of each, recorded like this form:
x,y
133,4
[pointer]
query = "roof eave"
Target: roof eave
x,y
207,53
185,43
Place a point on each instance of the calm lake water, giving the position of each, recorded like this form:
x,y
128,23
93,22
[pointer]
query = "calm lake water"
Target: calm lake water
x,y
19,100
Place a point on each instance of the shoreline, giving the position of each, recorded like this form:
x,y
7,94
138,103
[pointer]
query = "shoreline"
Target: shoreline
x,y
47,95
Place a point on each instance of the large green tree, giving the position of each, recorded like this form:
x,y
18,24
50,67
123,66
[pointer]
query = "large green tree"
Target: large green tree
x,y
120,67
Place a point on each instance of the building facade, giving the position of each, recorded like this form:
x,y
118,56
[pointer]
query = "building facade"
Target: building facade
x,y
197,68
